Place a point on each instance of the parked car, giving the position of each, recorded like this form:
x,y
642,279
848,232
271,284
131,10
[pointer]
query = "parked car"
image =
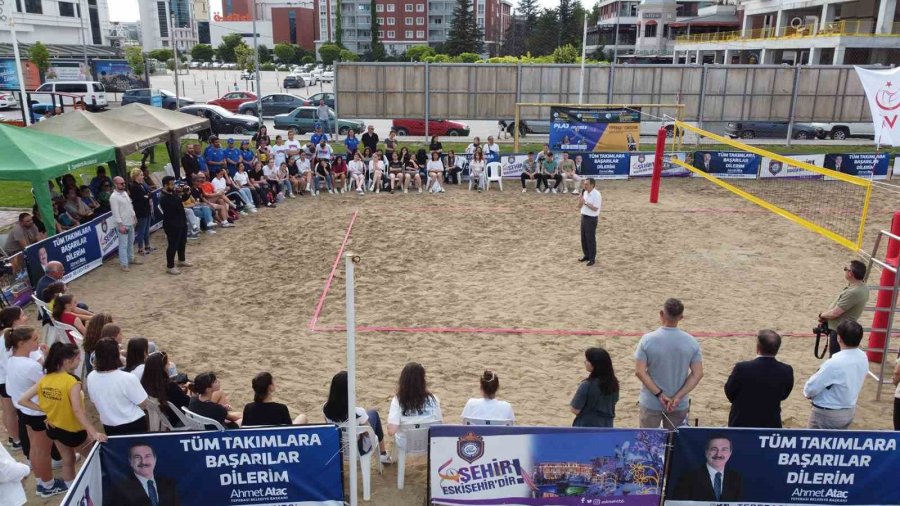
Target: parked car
x,y
769,130
7,100
223,121
143,96
304,119
276,103
309,78
841,131
293,81
248,76
435,127
41,108
314,99
328,76
232,101
91,93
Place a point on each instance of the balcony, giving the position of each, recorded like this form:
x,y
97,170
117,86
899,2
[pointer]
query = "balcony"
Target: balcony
x,y
855,28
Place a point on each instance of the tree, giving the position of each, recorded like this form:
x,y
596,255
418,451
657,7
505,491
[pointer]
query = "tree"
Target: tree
x,y
376,51
202,52
528,9
465,34
302,55
306,60
543,37
40,56
329,53
225,51
163,55
134,55
565,16
566,54
284,52
418,53
594,15
468,58
347,55
514,42
265,54
338,27
243,55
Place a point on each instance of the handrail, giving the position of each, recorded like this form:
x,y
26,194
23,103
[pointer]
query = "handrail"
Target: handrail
x,y
859,27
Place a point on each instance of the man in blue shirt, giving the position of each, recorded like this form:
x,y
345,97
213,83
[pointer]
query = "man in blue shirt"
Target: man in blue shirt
x,y
352,143
232,157
214,155
318,136
247,155
834,388
201,160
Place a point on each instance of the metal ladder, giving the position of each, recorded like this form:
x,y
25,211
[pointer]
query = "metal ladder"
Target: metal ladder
x,y
889,330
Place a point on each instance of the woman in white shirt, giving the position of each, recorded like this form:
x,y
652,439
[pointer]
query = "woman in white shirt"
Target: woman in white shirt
x,y
11,475
247,187
487,407
435,168
376,171
476,169
10,316
118,395
357,170
413,402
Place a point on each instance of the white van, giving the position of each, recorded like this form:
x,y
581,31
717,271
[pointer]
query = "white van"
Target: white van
x,y
92,93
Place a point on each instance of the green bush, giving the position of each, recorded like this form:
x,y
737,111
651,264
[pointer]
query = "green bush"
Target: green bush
x,y
267,66
467,58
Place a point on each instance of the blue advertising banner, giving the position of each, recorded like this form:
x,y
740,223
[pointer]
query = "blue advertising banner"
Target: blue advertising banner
x,y
117,75
486,465
291,465
155,214
602,165
727,164
577,129
9,77
865,165
642,165
79,249
778,467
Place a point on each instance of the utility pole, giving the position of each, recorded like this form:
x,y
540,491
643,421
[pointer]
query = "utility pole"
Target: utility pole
x,y
174,54
83,37
256,66
583,56
22,97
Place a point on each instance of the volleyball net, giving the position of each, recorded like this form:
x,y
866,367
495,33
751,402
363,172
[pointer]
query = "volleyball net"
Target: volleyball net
x,y
827,202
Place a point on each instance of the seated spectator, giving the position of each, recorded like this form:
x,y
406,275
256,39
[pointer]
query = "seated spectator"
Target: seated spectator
x,y
270,172
60,396
411,171
51,292
38,221
594,403
339,172
414,403
54,195
135,355
356,170
218,197
88,198
436,145
304,171
22,234
64,220
68,181
567,172
92,334
335,411
158,384
487,407
435,173
258,177
206,386
222,185
219,210
454,168
263,410
284,178
75,206
55,271
103,196
323,171
549,171
475,146
198,208
118,396
367,155
477,172
98,180
63,311
395,171
531,171
247,187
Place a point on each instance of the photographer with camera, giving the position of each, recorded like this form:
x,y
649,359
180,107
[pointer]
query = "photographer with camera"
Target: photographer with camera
x,y
174,224
848,305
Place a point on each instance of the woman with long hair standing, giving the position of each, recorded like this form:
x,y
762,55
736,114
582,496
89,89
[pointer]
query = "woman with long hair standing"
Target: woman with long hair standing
x,y
335,411
59,395
487,407
594,403
10,316
118,396
414,403
140,201
264,410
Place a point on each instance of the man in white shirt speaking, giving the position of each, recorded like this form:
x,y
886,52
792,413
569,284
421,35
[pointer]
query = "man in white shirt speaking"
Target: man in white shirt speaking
x,y
589,203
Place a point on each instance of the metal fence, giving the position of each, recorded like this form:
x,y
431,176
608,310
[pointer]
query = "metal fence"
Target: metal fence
x,y
711,93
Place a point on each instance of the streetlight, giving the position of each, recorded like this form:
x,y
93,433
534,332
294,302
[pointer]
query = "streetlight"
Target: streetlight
x,y
256,67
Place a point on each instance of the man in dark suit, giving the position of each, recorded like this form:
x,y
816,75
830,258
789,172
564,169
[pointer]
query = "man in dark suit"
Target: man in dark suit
x,y
142,488
712,482
757,387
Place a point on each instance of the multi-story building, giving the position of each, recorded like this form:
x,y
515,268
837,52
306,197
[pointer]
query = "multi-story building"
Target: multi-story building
x,y
406,23
291,21
168,23
201,16
294,25
59,22
803,31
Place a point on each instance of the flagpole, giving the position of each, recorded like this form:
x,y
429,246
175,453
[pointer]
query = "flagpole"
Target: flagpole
x,y
15,42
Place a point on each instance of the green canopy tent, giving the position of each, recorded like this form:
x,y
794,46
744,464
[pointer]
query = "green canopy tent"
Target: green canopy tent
x,y
37,157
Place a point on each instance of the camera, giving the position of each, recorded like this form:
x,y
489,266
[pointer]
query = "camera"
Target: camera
x,y
820,330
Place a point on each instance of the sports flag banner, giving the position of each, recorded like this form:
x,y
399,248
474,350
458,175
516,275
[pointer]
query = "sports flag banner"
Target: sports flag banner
x,y
578,129
776,169
727,164
486,465
865,165
641,165
87,490
883,92
781,467
292,465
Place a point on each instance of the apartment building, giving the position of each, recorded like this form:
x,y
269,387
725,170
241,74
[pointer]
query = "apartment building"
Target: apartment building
x,y
168,23
59,22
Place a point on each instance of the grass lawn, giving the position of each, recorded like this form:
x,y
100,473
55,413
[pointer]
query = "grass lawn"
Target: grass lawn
x,y
15,194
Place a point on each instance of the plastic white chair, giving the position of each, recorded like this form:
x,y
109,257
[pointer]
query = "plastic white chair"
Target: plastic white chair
x,y
169,170
157,420
43,314
86,179
157,177
485,421
202,420
365,461
416,435
186,423
494,173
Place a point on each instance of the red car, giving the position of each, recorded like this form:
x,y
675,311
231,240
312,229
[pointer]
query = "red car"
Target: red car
x,y
435,127
231,101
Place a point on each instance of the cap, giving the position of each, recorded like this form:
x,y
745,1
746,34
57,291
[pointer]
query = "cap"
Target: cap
x,y
318,126
230,141
245,141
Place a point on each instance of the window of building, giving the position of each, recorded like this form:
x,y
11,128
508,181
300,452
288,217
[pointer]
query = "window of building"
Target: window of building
x,y
392,34
409,34
31,7
437,20
67,9
420,21
390,21
420,7
163,18
481,8
409,21
390,7
292,26
420,34
365,20
650,31
380,34
379,8
380,21
480,23
408,8
364,7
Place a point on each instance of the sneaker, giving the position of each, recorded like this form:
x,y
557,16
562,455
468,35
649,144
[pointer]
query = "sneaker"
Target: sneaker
x,y
210,231
225,224
13,444
253,210
537,190
58,487
244,213
124,268
292,196
136,261
554,191
330,191
193,237
371,187
524,190
173,271
406,190
420,190
359,191
186,263
386,458
565,190
546,190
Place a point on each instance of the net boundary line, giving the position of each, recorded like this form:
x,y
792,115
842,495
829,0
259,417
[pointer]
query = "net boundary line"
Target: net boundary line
x,y
337,260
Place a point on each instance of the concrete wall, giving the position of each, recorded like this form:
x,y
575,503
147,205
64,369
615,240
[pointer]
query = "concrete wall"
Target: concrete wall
x,y
710,93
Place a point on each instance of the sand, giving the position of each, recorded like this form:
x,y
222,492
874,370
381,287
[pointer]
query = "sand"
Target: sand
x,y
471,260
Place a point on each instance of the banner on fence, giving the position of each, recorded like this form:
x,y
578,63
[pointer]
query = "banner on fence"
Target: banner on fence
x,y
641,165
798,467
775,169
513,164
9,77
865,165
298,465
603,165
588,129
78,249
67,70
117,75
87,490
485,465
15,287
727,164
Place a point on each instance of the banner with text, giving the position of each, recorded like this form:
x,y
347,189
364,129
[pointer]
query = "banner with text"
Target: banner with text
x,y
797,467
727,164
80,249
578,129
486,465
865,165
775,169
292,465
641,165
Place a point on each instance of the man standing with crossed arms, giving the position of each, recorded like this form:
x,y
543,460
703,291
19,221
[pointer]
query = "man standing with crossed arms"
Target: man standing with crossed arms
x,y
589,203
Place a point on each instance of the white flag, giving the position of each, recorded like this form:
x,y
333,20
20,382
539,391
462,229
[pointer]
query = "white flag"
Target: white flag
x,y
883,91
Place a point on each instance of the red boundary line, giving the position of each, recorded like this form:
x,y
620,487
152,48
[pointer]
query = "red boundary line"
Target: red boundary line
x,y
337,261
488,330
